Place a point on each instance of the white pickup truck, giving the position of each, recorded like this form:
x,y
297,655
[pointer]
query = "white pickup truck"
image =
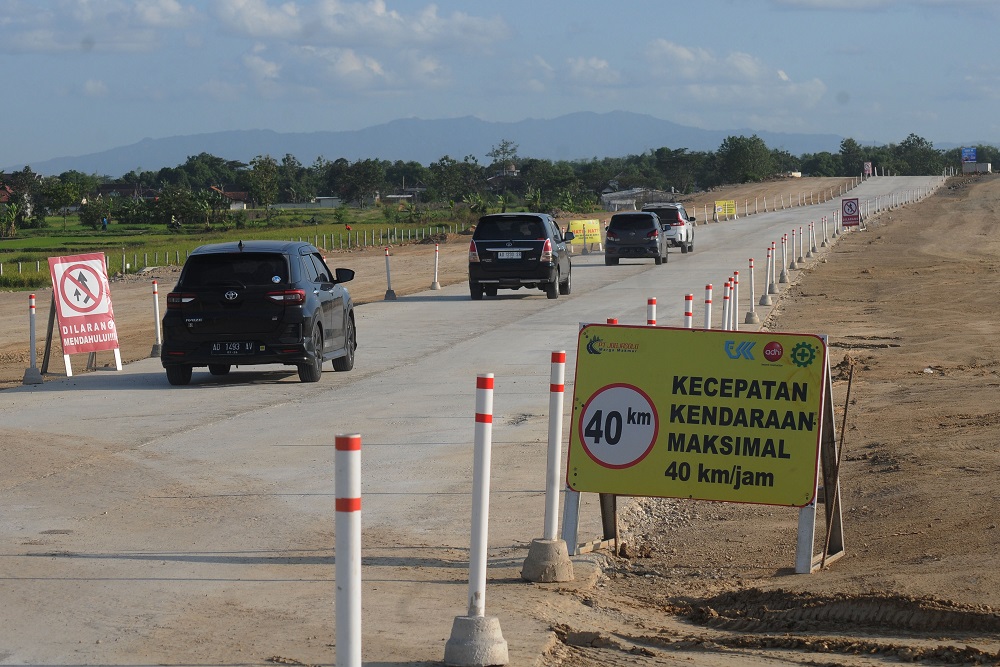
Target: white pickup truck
x,y
676,224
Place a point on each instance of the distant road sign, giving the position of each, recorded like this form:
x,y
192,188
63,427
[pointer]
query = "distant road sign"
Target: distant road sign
x,y
850,213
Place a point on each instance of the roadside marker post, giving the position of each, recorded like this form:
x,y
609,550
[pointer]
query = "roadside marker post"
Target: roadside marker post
x,y
437,253
476,639
548,558
734,304
752,317
772,288
783,278
389,294
347,549
158,345
31,373
802,238
651,311
708,306
727,290
689,311
791,263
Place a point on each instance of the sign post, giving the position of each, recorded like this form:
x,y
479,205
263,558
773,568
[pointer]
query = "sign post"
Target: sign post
x,y
82,299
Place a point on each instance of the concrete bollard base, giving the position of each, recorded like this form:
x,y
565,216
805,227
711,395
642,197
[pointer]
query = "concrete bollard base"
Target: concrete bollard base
x,y
548,561
435,285
751,318
390,295
32,376
476,641
155,352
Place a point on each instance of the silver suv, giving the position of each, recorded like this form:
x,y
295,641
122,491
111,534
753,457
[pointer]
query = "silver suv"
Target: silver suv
x,y
677,225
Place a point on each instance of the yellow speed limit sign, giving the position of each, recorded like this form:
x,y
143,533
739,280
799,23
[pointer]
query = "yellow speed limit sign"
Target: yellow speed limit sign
x,y
693,413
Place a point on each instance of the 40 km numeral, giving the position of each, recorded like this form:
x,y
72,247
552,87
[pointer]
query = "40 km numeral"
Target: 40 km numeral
x,y
618,426
610,427
678,471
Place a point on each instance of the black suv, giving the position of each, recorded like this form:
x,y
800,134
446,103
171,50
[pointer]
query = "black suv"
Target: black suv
x,y
635,235
258,302
515,250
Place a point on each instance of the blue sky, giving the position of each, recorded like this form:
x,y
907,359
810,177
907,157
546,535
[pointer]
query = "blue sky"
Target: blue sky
x,y
81,76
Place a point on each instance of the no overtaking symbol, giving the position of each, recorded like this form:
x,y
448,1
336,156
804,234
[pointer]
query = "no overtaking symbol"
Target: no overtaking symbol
x,y
81,288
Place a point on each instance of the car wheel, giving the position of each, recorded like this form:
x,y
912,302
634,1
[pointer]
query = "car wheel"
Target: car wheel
x,y
610,261
691,245
658,260
179,375
312,371
219,369
566,286
346,362
552,289
476,291
491,290
684,247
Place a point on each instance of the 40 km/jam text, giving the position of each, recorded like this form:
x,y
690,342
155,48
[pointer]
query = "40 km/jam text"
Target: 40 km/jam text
x,y
680,471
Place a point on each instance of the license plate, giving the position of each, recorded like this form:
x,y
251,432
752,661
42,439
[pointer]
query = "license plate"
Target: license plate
x,y
227,348
509,254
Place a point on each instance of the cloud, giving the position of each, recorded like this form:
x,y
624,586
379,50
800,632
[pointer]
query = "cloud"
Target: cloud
x,y
95,88
256,18
593,71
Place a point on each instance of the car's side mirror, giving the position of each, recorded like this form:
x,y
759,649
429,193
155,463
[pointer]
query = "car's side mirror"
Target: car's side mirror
x,y
569,236
344,275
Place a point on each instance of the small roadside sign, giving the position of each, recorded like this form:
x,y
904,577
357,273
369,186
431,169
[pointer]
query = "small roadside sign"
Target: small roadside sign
x,y
737,416
850,213
82,299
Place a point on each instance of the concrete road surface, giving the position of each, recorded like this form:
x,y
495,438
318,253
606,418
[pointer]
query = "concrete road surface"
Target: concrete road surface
x,y
149,524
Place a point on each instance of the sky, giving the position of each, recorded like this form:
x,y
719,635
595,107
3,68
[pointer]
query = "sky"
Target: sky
x,y
82,76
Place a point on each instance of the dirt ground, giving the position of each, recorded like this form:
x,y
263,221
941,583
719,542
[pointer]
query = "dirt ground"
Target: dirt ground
x,y
909,305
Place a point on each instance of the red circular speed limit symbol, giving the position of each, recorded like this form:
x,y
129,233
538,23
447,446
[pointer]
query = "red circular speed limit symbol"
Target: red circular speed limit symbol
x,y
618,426
81,288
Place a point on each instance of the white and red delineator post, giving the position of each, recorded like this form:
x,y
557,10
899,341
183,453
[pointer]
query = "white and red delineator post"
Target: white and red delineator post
x,y
347,549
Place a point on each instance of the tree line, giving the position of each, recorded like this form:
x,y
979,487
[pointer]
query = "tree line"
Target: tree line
x,y
192,191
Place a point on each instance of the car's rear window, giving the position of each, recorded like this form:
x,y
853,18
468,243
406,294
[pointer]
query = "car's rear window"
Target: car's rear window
x,y
247,268
633,222
522,229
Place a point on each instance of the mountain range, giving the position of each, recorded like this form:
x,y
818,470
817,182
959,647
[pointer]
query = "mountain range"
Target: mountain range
x,y
576,136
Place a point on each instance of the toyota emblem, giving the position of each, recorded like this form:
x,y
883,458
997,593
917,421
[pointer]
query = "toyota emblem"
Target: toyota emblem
x,y
232,295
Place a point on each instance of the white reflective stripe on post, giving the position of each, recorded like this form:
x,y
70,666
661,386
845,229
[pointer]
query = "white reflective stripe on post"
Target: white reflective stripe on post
x,y
557,388
347,549
708,306
734,303
689,311
725,305
32,354
156,314
651,311
389,294
437,253
481,494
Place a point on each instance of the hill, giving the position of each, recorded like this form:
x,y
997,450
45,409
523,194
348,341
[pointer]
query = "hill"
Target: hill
x,y
577,136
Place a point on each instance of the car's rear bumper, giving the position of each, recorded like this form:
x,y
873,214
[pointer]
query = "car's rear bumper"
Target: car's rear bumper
x,y
479,275
631,251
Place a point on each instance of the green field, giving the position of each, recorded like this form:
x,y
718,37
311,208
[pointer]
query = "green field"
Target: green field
x,y
128,249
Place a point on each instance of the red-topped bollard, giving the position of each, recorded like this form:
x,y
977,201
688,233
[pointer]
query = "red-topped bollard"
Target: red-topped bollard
x,y
31,373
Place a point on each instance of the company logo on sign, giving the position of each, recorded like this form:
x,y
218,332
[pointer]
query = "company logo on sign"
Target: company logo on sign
x,y
773,351
597,345
744,349
803,355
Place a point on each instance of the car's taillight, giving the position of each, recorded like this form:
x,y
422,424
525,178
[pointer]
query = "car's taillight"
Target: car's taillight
x,y
546,251
611,235
679,222
473,253
179,299
289,297
653,234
